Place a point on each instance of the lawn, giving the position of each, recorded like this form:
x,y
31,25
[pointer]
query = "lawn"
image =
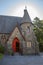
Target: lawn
x,y
1,56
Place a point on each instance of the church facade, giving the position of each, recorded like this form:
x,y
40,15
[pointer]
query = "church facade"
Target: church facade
x,y
17,33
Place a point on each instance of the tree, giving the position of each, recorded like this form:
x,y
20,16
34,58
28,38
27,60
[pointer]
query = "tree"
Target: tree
x,y
38,29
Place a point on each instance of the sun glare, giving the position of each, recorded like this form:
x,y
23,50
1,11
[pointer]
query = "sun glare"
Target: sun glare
x,y
19,11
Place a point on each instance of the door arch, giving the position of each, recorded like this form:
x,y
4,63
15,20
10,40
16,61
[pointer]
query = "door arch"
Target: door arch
x,y
16,45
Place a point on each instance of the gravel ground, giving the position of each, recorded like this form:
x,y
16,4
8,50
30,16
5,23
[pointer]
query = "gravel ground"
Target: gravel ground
x,y
22,60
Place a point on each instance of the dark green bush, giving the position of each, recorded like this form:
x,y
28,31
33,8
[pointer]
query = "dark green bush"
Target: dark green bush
x,y
41,47
10,52
2,49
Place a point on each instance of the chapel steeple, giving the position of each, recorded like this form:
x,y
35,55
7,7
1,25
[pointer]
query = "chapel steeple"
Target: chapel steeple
x,y
26,17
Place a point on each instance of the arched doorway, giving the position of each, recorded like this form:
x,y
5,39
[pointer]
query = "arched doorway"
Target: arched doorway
x,y
16,45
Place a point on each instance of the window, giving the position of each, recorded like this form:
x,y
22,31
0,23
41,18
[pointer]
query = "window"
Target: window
x,y
28,28
3,37
22,32
29,44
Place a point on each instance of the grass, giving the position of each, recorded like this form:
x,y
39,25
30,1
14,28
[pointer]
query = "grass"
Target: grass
x,y
1,56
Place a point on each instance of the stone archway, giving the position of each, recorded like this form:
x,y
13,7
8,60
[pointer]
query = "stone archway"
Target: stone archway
x,y
16,45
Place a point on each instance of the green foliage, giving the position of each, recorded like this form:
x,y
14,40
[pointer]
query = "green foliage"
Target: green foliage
x,y
2,49
10,52
1,55
38,29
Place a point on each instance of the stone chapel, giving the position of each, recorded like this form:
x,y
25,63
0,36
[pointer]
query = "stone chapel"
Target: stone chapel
x,y
17,33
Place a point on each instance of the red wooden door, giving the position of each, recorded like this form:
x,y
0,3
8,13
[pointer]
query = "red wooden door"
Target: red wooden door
x,y
15,45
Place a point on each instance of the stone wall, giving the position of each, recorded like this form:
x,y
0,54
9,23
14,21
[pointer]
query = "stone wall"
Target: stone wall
x,y
30,37
28,46
16,33
4,38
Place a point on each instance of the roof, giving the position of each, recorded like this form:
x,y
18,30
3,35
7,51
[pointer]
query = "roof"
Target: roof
x,y
26,17
8,23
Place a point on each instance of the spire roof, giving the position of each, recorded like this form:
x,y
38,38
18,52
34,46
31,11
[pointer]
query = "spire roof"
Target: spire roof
x,y
26,17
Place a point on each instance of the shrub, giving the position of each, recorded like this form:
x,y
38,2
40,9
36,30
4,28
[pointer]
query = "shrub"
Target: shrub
x,y
10,52
1,55
2,49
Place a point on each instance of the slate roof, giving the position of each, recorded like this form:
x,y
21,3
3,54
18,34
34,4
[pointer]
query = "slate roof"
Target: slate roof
x,y
8,23
26,17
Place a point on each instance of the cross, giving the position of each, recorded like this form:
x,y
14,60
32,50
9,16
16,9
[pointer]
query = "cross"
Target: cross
x,y
25,7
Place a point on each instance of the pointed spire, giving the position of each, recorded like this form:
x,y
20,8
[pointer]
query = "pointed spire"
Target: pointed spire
x,y
25,8
26,17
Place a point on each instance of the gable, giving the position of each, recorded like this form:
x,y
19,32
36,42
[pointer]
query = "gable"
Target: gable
x,y
16,33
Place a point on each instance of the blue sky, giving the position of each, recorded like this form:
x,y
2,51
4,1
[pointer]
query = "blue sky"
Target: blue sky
x,y
11,7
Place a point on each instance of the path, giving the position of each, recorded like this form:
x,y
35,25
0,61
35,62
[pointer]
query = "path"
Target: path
x,y
22,60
